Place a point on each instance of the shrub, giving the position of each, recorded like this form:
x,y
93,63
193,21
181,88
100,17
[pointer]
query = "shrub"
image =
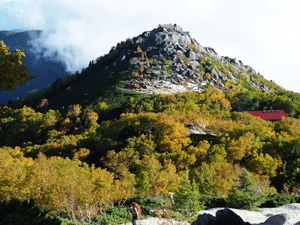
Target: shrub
x,y
213,201
278,200
112,215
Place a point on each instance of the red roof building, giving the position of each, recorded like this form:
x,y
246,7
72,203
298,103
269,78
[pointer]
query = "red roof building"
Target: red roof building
x,y
271,115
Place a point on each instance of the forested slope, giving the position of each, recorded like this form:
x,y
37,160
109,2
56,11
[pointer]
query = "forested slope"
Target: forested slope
x,y
147,149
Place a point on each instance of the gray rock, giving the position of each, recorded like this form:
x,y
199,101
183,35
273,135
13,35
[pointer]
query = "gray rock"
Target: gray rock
x,y
221,85
178,47
182,40
241,63
180,77
223,217
250,69
191,55
158,67
160,38
231,77
227,216
279,219
212,52
205,219
196,63
216,73
188,73
177,60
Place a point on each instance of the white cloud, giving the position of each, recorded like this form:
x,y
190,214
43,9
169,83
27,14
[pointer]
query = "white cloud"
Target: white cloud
x,y
262,33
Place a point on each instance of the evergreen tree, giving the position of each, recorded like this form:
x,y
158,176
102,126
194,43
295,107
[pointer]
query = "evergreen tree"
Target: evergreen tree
x,y
245,194
187,198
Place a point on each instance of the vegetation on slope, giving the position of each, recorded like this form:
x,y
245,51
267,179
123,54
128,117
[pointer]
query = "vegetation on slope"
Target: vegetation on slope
x,y
68,161
84,145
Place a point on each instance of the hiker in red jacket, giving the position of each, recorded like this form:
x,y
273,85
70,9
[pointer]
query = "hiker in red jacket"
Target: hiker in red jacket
x,y
134,212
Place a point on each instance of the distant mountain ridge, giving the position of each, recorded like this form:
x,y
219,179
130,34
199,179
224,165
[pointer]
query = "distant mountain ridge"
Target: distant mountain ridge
x,y
45,70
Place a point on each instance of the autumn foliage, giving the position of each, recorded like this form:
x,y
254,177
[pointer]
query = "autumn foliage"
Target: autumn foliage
x,y
12,70
80,162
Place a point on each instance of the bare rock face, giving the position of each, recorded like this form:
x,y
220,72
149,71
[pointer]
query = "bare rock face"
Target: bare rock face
x,y
171,61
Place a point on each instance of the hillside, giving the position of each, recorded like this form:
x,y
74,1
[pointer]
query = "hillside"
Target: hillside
x,y
158,114
45,69
165,60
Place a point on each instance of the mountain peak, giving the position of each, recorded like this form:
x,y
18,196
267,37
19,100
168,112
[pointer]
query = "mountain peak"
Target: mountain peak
x,y
168,60
165,60
166,35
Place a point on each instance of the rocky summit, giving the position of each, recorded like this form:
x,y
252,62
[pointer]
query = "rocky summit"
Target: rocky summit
x,y
168,60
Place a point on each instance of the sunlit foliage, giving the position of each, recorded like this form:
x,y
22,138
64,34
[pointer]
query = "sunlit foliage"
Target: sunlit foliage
x,y
80,162
12,70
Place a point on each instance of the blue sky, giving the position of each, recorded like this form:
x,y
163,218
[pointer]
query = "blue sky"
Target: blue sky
x,y
264,34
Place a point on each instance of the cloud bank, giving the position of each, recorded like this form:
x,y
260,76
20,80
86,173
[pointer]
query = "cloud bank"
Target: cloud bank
x,y
262,33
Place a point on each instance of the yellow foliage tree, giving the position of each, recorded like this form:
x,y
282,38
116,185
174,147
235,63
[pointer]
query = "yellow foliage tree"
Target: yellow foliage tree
x,y
199,152
154,178
13,174
41,181
74,110
240,147
263,164
172,136
90,119
12,70
123,187
217,178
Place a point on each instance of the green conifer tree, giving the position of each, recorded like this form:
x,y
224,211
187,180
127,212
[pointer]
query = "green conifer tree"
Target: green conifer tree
x,y
187,199
245,194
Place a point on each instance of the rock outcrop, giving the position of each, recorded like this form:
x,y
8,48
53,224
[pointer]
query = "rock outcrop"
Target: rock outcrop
x,y
228,217
223,217
276,220
168,60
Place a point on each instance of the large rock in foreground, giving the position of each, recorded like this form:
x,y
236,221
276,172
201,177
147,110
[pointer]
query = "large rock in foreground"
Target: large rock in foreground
x,y
230,217
223,217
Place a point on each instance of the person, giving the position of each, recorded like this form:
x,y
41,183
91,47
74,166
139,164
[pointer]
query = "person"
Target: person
x,y
134,213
